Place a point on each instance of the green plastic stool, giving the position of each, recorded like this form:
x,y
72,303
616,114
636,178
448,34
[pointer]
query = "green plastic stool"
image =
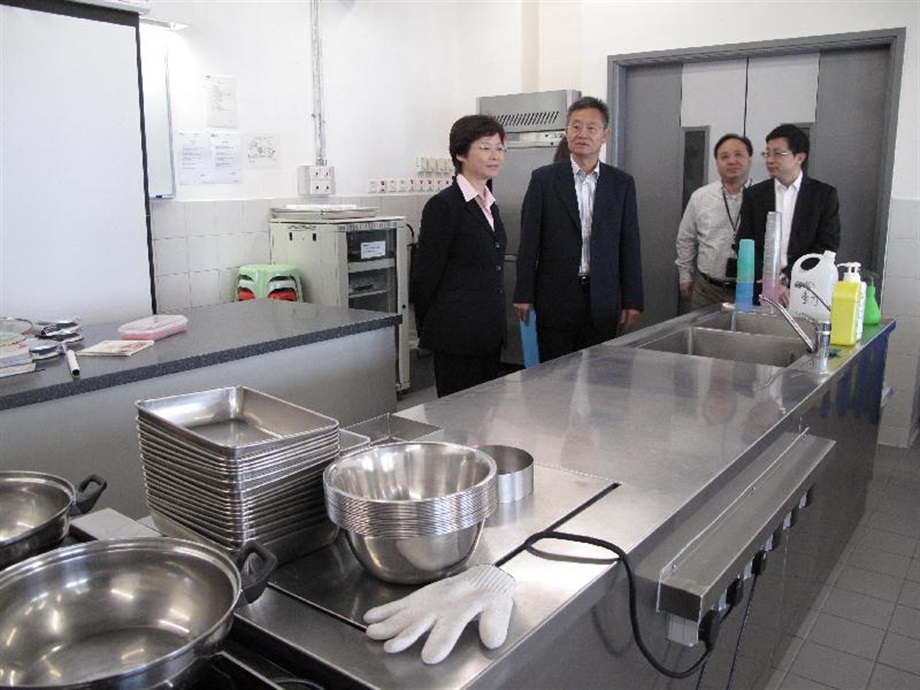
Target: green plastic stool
x,y
269,281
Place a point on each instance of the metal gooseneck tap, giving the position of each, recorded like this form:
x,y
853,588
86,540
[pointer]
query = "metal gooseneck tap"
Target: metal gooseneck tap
x,y
822,342
806,286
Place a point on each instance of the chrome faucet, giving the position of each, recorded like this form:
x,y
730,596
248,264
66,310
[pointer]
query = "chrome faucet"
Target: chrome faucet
x,y
806,286
822,343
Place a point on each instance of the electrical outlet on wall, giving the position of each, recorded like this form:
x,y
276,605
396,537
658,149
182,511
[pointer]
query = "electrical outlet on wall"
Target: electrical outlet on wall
x,y
319,179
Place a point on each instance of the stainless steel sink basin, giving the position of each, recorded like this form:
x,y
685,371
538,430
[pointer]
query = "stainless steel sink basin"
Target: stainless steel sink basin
x,y
758,323
739,346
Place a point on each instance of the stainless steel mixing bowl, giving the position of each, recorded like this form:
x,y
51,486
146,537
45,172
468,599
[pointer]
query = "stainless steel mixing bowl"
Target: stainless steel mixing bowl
x,y
412,512
124,613
415,560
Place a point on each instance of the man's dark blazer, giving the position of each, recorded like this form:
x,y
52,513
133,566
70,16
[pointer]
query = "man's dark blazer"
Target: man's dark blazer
x,y
457,276
550,250
815,222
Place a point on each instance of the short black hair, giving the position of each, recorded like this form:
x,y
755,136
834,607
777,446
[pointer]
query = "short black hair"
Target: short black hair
x,y
727,137
468,129
798,140
590,102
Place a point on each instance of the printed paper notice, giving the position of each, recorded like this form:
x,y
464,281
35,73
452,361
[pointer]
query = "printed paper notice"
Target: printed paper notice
x,y
225,157
220,93
194,157
208,158
262,151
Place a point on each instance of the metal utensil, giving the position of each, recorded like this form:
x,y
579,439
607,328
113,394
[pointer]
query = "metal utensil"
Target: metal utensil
x,y
121,613
35,509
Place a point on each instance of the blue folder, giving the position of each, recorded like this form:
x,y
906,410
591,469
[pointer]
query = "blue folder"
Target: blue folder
x,y
529,340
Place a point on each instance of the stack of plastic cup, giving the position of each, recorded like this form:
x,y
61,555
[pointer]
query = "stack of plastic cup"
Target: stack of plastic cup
x,y
772,255
744,287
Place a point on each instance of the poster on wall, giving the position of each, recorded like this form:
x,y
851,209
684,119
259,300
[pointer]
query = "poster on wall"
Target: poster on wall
x,y
193,154
220,97
261,151
208,158
225,158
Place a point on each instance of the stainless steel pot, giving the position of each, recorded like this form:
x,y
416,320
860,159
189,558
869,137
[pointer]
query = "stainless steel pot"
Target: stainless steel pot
x,y
123,613
35,510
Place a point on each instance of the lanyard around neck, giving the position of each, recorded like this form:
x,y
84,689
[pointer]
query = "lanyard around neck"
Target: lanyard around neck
x,y
734,221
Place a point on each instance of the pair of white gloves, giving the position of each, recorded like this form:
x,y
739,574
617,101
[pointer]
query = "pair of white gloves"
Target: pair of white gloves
x,y
445,607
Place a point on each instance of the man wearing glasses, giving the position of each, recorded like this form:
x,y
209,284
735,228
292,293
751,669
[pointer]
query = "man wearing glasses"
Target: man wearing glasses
x,y
809,207
579,265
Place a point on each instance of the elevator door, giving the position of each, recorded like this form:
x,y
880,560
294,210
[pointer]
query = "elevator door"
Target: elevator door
x,y
835,95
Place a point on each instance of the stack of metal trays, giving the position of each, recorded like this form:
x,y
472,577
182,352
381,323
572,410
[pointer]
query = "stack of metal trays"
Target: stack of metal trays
x,y
231,465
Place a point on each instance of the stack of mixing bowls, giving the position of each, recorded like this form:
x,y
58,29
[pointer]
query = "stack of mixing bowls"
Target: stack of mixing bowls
x,y
412,512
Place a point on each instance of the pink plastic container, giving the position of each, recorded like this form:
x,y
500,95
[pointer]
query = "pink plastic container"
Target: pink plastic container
x,y
154,327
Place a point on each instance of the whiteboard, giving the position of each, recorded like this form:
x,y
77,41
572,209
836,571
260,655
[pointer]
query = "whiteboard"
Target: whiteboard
x,y
157,124
74,233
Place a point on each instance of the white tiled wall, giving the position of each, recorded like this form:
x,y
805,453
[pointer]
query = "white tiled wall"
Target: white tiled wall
x,y
198,247
901,301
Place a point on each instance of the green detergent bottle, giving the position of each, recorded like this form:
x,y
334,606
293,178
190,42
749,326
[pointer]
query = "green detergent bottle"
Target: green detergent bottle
x,y
873,314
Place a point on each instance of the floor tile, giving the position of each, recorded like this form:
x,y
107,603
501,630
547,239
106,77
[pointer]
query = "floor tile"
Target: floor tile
x,y
847,636
899,524
784,663
887,678
859,607
905,621
886,541
867,582
879,561
913,571
831,666
900,652
910,594
794,682
776,680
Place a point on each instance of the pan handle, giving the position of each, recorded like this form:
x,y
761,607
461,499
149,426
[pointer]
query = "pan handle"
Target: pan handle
x,y
87,497
255,581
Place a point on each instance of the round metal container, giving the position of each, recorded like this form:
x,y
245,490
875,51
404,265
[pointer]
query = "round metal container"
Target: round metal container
x,y
35,509
515,471
413,512
132,613
415,560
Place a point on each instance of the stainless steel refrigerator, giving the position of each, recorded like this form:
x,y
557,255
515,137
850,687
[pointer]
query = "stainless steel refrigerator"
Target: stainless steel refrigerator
x,y
534,124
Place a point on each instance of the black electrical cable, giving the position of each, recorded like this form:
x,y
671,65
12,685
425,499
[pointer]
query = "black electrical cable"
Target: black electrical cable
x,y
747,611
298,682
699,678
633,597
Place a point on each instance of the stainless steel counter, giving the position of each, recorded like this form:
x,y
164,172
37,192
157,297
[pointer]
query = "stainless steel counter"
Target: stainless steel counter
x,y
671,431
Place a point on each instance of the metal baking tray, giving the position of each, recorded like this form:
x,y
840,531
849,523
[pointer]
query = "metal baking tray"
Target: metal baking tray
x,y
234,421
391,428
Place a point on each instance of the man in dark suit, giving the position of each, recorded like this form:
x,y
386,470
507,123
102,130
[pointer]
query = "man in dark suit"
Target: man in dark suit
x,y
579,264
457,276
809,207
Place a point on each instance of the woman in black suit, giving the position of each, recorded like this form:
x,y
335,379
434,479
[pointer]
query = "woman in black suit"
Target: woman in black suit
x,y
457,274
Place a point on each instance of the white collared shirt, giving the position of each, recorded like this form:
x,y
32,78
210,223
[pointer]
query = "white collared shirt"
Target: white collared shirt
x,y
485,200
585,187
785,204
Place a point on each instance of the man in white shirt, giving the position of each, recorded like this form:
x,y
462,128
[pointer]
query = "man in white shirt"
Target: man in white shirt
x,y
810,208
706,236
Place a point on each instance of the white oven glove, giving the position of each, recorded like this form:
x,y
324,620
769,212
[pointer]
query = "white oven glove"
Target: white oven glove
x,y
445,607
